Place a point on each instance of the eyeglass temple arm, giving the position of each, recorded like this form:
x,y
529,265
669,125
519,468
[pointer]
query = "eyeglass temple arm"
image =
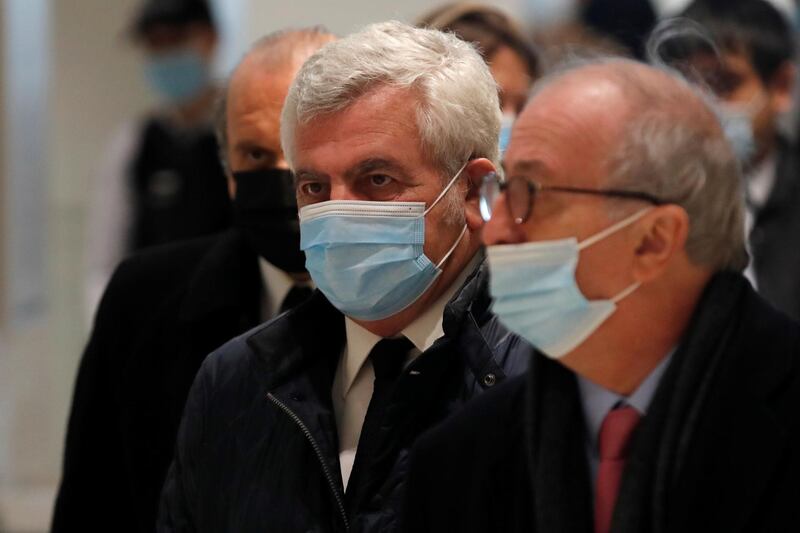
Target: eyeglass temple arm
x,y
602,192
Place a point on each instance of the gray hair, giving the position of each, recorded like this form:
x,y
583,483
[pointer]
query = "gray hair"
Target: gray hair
x,y
458,114
280,49
673,147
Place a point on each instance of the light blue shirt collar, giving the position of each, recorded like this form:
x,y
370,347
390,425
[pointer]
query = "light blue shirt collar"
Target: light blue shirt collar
x,y
598,401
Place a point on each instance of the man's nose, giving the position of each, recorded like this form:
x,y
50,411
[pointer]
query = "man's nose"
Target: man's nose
x,y
343,190
501,228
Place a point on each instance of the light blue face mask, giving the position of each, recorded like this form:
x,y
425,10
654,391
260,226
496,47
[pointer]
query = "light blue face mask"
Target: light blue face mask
x,y
737,124
178,76
739,131
536,295
367,258
506,125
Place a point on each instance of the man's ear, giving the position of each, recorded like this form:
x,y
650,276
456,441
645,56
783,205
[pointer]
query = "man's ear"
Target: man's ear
x,y
781,87
662,235
474,172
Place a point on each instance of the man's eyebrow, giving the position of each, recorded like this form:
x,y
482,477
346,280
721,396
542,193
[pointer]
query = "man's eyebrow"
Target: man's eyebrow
x,y
366,166
530,166
304,173
374,164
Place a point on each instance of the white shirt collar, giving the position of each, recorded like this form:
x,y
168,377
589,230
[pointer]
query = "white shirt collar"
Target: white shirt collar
x,y
422,332
276,284
761,180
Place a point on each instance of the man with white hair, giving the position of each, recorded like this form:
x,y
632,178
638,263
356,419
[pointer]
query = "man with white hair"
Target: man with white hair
x,y
304,424
663,395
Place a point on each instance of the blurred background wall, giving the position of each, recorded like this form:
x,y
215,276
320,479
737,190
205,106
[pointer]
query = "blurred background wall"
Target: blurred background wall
x,y
68,79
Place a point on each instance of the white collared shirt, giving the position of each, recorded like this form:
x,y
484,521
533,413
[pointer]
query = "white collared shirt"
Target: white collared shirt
x,y
276,285
353,383
758,187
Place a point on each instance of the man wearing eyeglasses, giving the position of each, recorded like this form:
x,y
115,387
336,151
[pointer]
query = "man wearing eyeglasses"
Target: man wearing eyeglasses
x,y
664,392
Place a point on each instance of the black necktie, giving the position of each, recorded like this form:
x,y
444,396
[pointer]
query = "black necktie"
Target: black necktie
x,y
387,359
296,295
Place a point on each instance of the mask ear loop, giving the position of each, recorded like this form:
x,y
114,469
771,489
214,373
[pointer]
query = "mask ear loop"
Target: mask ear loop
x,y
447,188
452,248
613,228
608,231
627,292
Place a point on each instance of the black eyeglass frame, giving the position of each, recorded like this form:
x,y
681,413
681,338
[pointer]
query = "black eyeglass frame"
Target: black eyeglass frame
x,y
534,187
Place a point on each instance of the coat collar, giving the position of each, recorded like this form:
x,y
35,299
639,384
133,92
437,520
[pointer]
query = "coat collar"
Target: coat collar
x,y
227,277
316,329
786,189
753,374
465,318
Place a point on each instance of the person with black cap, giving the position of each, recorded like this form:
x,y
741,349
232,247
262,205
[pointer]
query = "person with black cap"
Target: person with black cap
x,y
168,307
160,180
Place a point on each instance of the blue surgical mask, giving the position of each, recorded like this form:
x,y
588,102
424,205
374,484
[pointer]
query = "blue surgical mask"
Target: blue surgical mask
x,y
738,130
367,258
506,124
178,76
737,124
536,295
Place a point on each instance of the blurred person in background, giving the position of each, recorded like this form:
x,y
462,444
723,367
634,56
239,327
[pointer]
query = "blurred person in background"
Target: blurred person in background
x,y
663,393
754,77
165,309
564,28
628,22
511,56
160,179
304,424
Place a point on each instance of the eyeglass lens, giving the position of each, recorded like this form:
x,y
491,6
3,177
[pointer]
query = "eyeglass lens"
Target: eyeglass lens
x,y
490,190
519,196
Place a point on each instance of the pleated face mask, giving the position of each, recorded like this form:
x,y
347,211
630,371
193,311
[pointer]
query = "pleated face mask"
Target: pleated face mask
x,y
368,257
536,296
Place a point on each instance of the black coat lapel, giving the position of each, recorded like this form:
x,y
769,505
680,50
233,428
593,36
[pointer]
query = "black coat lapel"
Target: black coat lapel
x,y
689,466
413,408
557,453
730,452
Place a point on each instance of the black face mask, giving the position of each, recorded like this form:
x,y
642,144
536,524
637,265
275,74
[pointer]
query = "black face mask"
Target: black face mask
x,y
265,209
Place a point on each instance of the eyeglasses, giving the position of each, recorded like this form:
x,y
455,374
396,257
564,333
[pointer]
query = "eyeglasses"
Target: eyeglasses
x,y
521,195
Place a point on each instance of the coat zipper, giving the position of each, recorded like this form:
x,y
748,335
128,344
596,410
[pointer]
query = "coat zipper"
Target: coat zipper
x,y
327,471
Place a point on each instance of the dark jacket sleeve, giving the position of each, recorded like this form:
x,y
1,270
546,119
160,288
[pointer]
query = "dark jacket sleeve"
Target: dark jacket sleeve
x,y
178,511
93,472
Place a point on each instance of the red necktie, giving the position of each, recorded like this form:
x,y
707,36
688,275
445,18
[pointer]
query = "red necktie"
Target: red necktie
x,y
615,433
